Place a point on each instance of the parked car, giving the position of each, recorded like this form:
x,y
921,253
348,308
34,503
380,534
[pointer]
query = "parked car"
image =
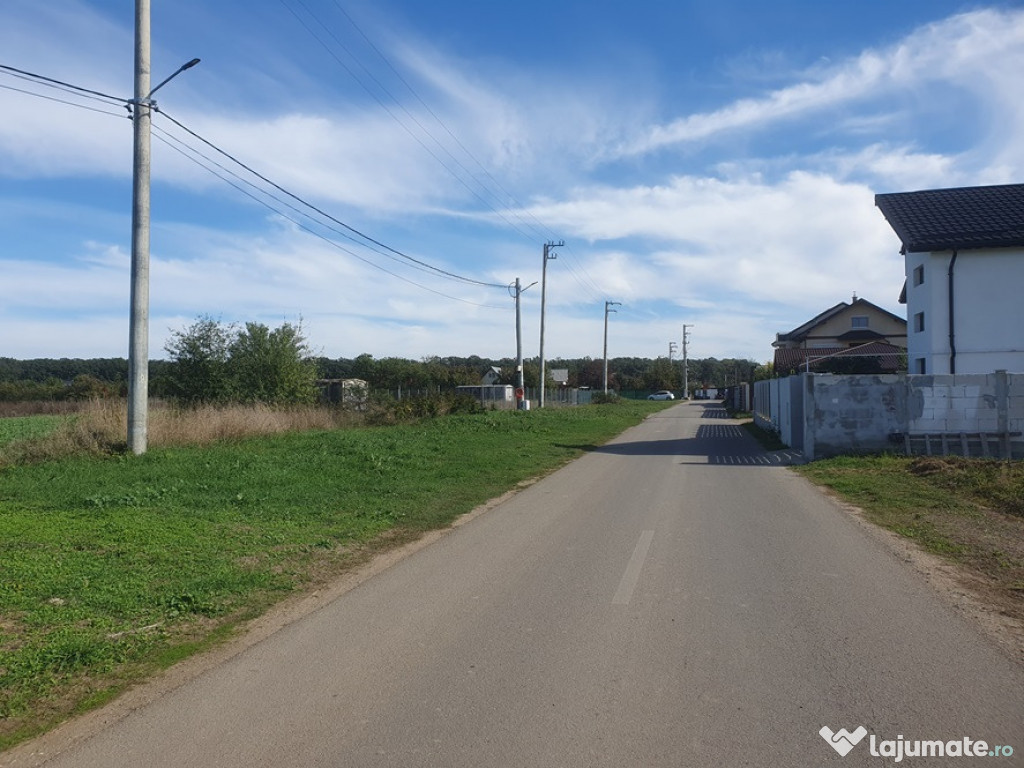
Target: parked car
x,y
663,395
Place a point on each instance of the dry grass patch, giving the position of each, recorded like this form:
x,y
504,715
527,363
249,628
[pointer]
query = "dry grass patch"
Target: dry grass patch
x,y
101,426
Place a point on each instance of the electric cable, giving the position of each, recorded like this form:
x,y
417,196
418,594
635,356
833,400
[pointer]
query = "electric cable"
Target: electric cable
x,y
161,137
580,274
321,212
114,100
62,101
285,203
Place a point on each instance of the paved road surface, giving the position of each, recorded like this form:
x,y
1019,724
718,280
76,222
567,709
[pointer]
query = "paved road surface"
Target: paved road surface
x,y
674,598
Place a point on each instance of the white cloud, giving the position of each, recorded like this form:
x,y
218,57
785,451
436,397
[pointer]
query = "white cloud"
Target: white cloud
x,y
959,50
807,241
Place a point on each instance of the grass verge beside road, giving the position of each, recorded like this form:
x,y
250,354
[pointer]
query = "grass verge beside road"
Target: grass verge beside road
x,y
969,511
114,567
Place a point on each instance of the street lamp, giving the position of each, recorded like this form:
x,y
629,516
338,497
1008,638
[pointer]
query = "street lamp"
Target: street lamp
x,y
138,323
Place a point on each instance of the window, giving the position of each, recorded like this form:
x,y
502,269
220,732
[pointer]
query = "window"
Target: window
x,y
919,322
861,321
919,274
919,365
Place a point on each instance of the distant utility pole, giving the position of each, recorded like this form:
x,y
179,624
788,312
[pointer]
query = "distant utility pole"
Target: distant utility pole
x,y
520,386
607,309
138,323
543,297
672,347
686,369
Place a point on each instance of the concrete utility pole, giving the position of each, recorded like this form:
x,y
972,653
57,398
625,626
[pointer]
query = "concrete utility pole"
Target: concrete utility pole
x,y
607,308
520,385
672,346
138,323
543,298
686,368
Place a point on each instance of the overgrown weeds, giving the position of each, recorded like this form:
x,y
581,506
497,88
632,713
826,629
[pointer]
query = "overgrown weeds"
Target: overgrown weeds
x,y
99,427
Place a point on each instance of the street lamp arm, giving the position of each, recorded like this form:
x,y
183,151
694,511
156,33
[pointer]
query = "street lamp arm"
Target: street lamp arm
x,y
178,71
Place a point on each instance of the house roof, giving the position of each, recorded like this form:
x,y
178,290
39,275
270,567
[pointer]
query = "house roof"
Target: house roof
x,y
804,330
795,359
960,218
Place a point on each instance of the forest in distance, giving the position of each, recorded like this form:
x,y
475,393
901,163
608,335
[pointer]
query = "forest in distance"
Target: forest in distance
x,y
71,378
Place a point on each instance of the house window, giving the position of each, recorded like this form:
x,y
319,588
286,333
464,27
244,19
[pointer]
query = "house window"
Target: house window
x,y
919,274
861,321
919,365
919,322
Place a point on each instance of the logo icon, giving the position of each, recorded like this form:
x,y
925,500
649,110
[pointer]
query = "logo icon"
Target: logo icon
x,y
842,741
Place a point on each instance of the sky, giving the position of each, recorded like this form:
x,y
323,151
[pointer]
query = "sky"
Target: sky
x,y
707,164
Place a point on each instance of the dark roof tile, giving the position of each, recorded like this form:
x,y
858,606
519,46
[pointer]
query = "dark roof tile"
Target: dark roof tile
x,y
961,218
890,356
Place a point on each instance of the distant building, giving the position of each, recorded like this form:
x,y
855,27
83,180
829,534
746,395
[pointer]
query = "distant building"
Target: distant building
x,y
348,392
491,376
856,330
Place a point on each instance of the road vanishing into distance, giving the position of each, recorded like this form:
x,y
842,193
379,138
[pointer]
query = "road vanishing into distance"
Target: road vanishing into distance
x,y
676,597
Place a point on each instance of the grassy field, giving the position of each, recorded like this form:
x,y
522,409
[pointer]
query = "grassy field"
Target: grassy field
x,y
27,427
114,566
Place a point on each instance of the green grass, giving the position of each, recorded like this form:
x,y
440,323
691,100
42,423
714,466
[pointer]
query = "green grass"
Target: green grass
x,y
113,567
17,428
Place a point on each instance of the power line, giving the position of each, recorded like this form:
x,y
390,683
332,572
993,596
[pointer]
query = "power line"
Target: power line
x,y
184,150
62,101
323,213
279,200
115,100
581,277
398,120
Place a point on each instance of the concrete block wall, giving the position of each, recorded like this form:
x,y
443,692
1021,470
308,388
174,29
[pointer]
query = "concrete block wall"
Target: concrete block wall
x,y
851,414
950,403
827,415
1015,393
859,414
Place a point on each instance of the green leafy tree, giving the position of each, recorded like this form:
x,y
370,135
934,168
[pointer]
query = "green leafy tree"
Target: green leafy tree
x,y
199,357
272,366
365,367
661,375
86,387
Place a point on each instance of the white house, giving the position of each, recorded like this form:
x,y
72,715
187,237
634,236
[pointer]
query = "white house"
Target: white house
x,y
964,256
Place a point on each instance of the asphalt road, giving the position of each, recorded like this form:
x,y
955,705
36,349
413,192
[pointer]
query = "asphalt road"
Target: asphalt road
x,y
674,598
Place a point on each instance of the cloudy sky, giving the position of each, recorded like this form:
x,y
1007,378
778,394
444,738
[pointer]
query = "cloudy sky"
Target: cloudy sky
x,y
706,163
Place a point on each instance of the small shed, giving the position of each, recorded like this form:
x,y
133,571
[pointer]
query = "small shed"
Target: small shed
x,y
348,392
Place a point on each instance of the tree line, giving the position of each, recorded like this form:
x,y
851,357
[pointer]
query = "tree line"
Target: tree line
x,y
210,362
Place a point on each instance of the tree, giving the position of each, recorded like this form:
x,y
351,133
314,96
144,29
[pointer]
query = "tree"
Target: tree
x,y
272,366
661,375
199,356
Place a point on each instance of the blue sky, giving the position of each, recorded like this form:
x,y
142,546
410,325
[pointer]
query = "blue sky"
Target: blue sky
x,y
706,163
